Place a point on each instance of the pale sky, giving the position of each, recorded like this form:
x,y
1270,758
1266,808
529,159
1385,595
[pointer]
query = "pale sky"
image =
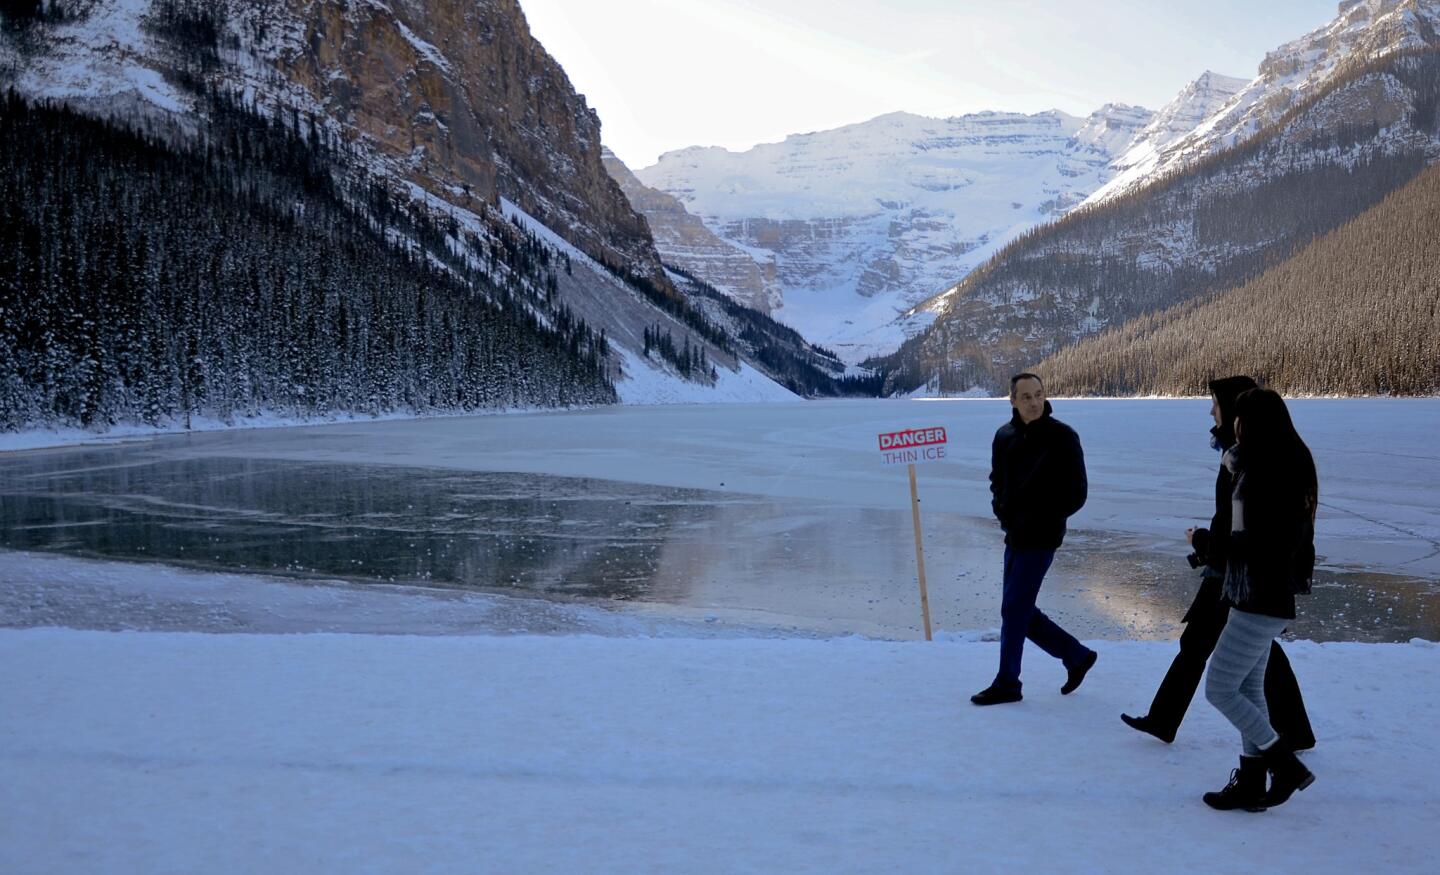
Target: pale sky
x,y
666,74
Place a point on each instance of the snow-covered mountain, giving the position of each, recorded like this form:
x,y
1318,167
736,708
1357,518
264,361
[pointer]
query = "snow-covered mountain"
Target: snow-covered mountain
x,y
1217,112
1335,122
860,223
1179,118
1352,313
684,241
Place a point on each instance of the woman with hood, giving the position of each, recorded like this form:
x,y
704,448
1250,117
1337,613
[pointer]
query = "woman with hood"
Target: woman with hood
x,y
1209,609
1271,558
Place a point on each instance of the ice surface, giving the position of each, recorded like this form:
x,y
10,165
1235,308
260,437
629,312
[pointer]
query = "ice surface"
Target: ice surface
x,y
1151,469
775,515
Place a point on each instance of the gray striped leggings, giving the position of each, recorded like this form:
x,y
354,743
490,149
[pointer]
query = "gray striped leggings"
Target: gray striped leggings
x,y
1235,681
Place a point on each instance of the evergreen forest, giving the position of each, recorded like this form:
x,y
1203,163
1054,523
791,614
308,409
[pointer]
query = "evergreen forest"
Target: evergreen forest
x,y
1355,313
255,269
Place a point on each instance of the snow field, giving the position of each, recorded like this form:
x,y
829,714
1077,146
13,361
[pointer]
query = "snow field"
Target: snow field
x,y
160,752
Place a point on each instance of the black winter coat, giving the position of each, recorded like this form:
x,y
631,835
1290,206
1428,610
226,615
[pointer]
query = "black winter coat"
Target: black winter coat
x,y
1272,552
1037,480
1212,545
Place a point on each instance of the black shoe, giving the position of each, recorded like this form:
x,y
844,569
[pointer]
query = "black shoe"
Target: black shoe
x,y
1287,773
996,695
1246,788
1077,674
1149,727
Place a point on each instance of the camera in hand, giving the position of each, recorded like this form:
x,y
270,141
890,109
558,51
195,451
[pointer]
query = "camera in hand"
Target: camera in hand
x,y
1194,560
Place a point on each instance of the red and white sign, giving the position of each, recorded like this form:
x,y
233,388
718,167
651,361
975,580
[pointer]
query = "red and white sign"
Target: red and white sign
x,y
913,446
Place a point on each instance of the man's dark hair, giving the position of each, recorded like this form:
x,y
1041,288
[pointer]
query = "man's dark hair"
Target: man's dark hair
x,y
1024,375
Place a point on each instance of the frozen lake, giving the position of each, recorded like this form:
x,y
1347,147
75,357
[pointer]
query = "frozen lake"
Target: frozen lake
x,y
774,514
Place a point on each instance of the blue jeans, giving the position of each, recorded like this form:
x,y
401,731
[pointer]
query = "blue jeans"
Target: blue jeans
x,y
1020,619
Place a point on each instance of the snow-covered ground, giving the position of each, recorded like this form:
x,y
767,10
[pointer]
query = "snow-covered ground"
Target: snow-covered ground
x,y
43,589
168,752
44,438
645,384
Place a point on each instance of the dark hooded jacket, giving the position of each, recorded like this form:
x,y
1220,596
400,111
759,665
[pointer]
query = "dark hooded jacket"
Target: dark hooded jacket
x,y
1212,544
1037,480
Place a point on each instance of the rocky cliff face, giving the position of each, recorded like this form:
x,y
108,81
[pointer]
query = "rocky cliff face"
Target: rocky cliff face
x,y
861,223
453,96
684,241
461,92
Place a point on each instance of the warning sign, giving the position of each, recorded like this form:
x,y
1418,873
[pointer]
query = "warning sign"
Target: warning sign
x,y
913,446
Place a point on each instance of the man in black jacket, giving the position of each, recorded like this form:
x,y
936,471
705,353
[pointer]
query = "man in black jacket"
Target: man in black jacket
x,y
1037,480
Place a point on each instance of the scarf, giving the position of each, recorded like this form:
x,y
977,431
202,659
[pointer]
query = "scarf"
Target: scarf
x,y
1237,572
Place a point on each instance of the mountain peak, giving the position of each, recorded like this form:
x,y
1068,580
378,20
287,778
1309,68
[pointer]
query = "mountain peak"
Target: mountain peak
x,y
1196,101
1215,112
1211,79
898,115
1113,127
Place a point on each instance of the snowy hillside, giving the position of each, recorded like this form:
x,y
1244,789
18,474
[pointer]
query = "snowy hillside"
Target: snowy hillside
x,y
860,223
1363,31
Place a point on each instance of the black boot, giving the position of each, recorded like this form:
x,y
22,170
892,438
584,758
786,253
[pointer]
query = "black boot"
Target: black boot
x,y
1246,788
1148,725
1287,773
997,694
1077,674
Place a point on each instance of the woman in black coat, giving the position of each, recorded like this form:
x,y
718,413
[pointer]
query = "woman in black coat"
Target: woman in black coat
x,y
1271,558
1207,614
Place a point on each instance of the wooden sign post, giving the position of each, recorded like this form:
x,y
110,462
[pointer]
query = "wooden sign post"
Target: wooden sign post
x,y
911,447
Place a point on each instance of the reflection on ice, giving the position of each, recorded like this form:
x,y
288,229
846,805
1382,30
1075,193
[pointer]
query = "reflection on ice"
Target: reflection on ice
x,y
492,531
829,568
